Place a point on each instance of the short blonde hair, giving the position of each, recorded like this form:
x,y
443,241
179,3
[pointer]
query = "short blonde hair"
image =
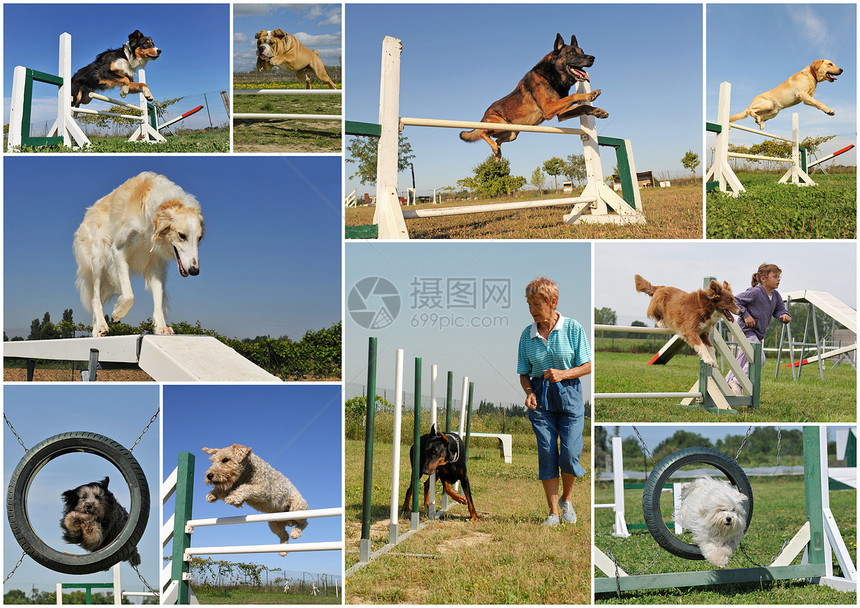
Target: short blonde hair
x,y
542,288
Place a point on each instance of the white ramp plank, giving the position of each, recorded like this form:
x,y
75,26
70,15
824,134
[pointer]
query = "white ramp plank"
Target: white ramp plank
x,y
830,305
192,358
112,349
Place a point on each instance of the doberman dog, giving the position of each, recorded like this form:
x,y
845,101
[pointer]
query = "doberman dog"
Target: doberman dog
x,y
443,454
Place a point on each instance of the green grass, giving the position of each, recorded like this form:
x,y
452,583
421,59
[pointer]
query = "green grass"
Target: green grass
x,y
782,399
287,135
249,595
768,210
505,558
194,142
779,512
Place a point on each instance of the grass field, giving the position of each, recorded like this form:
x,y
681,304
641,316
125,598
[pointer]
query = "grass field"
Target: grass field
x,y
672,213
768,210
782,399
285,135
202,141
505,558
249,596
779,512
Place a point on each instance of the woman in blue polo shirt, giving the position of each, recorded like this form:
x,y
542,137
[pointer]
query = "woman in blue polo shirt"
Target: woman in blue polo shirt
x,y
553,355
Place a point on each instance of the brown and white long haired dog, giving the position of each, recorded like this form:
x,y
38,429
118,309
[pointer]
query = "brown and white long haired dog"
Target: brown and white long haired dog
x,y
691,315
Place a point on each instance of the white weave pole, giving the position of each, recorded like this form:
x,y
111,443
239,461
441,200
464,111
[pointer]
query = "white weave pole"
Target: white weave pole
x,y
395,457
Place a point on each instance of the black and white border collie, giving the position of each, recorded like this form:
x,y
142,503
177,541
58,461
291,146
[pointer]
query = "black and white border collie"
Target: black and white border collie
x,y
115,68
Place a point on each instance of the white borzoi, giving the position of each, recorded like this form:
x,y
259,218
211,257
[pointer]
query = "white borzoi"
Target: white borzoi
x,y
137,228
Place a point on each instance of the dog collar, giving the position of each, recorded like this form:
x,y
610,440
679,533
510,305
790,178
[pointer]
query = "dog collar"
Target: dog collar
x,y
457,453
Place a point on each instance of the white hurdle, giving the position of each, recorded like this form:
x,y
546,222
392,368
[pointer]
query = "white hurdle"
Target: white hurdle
x,y
179,527
604,204
721,174
65,126
292,92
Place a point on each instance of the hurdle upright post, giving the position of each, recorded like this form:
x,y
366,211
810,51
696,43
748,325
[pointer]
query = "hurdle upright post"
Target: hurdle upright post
x,y
367,488
181,537
416,445
469,419
388,215
449,405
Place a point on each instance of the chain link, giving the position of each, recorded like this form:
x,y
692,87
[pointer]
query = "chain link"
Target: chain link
x,y
778,443
143,580
143,432
8,576
644,447
12,428
749,429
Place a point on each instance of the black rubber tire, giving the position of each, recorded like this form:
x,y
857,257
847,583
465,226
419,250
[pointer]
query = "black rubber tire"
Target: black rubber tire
x,y
91,443
660,475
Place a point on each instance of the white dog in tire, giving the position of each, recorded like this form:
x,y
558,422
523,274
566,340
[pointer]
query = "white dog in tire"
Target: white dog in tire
x,y
716,514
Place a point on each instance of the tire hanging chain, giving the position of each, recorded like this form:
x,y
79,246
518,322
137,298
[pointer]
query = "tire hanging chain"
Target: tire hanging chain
x,y
609,554
784,542
12,428
146,428
644,446
749,430
143,580
8,576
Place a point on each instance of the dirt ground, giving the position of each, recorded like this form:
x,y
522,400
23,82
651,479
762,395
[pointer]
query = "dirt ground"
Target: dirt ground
x,y
67,375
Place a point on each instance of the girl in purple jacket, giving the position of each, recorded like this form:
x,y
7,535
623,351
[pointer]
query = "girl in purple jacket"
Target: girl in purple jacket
x,y
758,305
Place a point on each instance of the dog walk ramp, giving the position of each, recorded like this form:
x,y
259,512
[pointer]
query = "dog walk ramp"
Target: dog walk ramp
x,y
828,304
165,358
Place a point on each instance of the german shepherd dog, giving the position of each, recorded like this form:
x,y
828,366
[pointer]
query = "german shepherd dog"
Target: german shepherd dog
x,y
691,315
541,95
115,68
445,455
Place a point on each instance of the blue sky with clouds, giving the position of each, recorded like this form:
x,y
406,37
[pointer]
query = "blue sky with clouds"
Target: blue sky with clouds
x,y
739,51
39,412
471,337
317,26
176,29
270,263
459,58
296,429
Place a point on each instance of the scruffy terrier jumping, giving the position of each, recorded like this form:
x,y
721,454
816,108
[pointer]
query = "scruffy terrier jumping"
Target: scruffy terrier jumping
x,y
92,517
238,476
716,514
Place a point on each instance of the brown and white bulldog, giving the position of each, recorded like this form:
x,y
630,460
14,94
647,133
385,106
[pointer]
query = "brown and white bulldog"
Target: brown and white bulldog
x,y
278,49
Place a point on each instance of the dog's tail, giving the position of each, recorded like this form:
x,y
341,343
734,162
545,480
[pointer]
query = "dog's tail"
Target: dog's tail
x,y
473,135
739,116
643,285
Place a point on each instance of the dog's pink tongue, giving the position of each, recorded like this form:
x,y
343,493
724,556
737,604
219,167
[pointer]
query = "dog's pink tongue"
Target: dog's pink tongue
x,y
729,316
582,74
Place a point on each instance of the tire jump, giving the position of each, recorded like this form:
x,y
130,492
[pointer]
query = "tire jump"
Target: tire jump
x,y
40,455
661,474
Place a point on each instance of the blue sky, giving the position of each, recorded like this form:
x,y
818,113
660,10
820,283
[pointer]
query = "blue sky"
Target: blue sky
x,y
458,59
813,265
270,263
296,429
39,412
796,35
183,70
487,354
317,26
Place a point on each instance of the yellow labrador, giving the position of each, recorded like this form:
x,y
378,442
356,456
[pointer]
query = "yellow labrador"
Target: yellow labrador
x,y
800,87
279,49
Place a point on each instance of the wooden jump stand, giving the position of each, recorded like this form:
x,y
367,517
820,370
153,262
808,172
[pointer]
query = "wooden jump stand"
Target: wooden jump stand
x,y
722,177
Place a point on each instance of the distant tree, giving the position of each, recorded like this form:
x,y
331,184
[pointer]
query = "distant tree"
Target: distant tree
x,y
493,177
363,151
690,160
538,179
680,439
574,168
605,316
554,167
